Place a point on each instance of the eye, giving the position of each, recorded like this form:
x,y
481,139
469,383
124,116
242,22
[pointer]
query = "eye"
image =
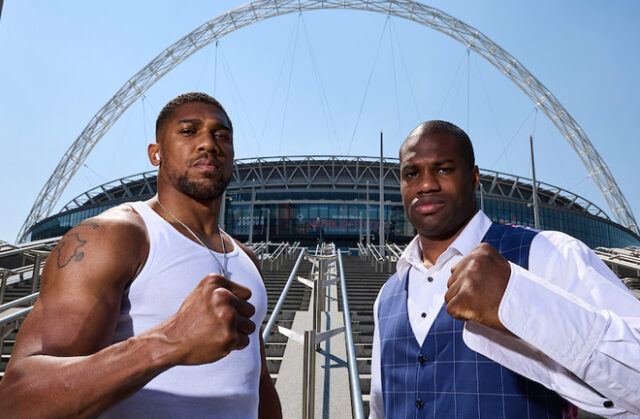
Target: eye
x,y
409,174
221,135
445,170
187,131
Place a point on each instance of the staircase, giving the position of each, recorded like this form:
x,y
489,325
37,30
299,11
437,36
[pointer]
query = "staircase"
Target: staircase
x,y
363,284
275,277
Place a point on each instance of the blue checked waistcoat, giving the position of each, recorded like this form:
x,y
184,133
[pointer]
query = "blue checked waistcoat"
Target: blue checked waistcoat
x,y
444,378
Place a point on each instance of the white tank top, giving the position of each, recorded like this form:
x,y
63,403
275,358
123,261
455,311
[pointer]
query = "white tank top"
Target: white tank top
x,y
227,388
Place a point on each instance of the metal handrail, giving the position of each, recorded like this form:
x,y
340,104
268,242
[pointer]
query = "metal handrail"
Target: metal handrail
x,y
15,316
293,247
394,252
362,249
278,306
281,248
354,378
18,302
46,245
375,253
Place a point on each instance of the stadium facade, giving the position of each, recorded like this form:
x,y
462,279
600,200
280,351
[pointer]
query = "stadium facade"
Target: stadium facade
x,y
304,198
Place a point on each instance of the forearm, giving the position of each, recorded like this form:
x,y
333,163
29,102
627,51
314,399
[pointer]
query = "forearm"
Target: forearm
x,y
45,386
597,345
588,355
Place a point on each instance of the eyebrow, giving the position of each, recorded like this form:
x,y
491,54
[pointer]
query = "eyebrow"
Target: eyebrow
x,y
438,163
199,122
442,162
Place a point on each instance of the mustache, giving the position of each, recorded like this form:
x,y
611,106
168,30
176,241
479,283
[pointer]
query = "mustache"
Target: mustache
x,y
207,156
424,200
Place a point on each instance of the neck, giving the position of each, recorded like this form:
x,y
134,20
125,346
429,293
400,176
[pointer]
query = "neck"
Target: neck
x,y
434,246
199,215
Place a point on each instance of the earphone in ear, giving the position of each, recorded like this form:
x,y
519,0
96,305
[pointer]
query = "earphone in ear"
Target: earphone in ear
x,y
157,156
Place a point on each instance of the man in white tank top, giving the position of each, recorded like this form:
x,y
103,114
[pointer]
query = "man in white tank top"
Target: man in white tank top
x,y
149,309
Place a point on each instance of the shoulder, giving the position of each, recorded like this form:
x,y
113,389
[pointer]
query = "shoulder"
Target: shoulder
x,y
113,240
554,251
549,241
119,221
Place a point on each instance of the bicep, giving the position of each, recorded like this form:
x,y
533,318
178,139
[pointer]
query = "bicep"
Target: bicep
x,y
79,303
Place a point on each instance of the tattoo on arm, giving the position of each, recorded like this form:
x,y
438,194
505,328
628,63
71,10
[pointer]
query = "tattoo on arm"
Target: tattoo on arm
x,y
73,244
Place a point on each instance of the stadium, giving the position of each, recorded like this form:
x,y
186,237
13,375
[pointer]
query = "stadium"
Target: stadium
x,y
307,198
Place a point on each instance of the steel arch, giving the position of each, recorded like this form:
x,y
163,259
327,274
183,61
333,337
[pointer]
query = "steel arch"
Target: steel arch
x,y
263,9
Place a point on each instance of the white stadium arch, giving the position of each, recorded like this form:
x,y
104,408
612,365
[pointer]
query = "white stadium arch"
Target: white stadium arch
x,y
260,10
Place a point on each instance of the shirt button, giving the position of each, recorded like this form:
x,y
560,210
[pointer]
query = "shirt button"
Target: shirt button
x,y
422,359
419,403
607,404
424,315
430,279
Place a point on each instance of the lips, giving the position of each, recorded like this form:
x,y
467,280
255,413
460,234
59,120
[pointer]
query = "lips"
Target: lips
x,y
205,164
427,205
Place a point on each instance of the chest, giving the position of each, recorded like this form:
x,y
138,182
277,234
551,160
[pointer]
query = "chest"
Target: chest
x,y
158,292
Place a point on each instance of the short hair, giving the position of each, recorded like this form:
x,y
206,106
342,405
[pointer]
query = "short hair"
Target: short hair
x,y
444,127
183,99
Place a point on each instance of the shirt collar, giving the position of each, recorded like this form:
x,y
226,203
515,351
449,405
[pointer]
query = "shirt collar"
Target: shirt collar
x,y
470,236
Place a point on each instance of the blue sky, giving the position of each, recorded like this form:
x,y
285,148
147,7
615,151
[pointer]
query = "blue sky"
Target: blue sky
x,y
62,61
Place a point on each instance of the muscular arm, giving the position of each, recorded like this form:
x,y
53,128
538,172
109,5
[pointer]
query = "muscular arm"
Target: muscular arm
x,y
62,365
269,401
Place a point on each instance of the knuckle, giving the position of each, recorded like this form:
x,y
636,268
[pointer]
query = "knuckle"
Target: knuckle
x,y
221,296
226,314
215,279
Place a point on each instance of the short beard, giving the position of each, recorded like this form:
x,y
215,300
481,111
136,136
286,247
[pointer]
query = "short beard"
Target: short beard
x,y
199,192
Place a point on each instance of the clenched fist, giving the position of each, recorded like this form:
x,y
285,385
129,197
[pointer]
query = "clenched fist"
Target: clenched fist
x,y
477,285
213,320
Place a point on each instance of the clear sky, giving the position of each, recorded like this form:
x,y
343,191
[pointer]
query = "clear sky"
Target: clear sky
x,y
295,85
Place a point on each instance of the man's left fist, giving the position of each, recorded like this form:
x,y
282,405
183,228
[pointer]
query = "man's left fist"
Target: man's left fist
x,y
477,285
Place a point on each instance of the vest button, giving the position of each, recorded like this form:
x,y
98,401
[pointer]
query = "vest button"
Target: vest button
x,y
607,404
422,359
419,403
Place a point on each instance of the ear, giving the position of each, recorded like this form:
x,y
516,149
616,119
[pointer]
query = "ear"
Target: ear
x,y
475,175
153,151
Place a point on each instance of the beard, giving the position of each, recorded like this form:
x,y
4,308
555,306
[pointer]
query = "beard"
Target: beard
x,y
199,191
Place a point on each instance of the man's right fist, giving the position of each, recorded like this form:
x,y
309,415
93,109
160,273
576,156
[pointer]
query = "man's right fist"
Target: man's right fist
x,y
212,321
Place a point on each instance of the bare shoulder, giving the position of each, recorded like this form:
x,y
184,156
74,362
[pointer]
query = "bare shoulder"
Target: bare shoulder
x,y
116,233
82,286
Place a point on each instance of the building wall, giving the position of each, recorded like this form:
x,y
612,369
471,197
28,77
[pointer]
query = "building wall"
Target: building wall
x,y
308,214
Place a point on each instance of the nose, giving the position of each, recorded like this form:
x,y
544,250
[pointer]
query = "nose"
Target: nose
x,y
428,182
209,143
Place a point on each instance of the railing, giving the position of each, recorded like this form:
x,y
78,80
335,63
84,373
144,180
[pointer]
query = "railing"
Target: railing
x,y
18,302
393,251
363,251
352,363
279,250
326,264
276,309
373,250
11,322
293,248
38,257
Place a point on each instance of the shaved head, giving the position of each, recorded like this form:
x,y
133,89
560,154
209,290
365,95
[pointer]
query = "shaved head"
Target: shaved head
x,y
170,108
442,127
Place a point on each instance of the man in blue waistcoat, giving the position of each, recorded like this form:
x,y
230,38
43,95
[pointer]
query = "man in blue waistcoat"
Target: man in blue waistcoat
x,y
494,321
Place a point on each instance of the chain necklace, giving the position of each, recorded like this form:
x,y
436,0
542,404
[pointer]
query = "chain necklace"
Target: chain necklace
x,y
223,269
